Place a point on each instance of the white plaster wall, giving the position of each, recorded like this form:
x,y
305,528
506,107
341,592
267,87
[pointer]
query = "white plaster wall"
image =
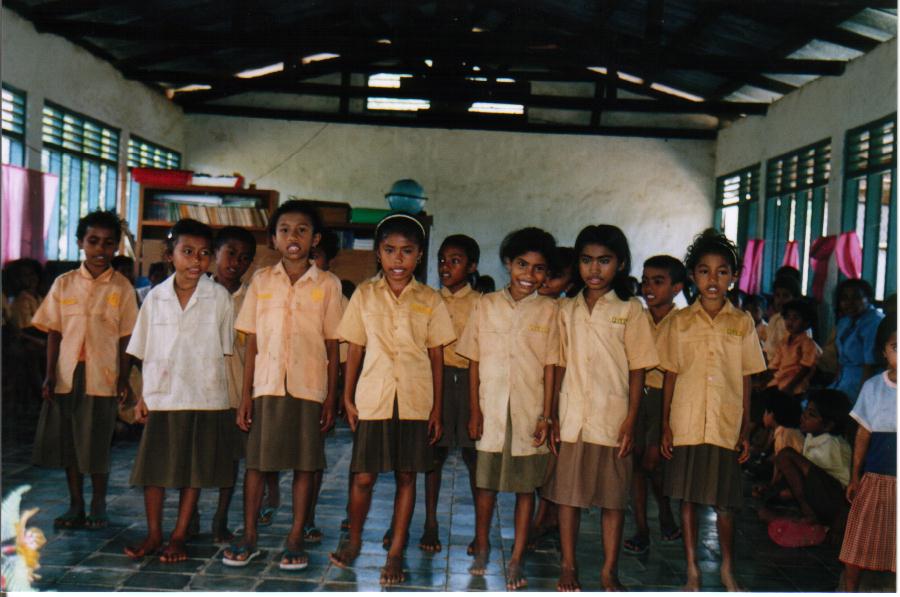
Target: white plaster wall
x,y
50,67
484,184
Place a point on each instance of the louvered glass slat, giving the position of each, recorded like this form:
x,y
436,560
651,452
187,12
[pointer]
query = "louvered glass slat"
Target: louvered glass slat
x,y
69,131
799,171
13,113
871,148
147,155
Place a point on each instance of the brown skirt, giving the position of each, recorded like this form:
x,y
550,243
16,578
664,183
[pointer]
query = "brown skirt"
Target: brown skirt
x,y
76,430
704,474
239,441
501,471
285,435
648,428
186,448
455,411
870,540
392,444
589,474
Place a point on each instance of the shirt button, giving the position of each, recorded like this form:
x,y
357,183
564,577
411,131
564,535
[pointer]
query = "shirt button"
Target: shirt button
x,y
709,378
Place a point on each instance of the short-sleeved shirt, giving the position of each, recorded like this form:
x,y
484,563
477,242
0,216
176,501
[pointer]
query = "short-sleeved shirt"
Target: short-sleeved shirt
x,y
396,333
460,305
876,411
830,453
235,361
22,309
710,357
792,355
291,323
512,341
92,315
183,351
655,375
598,348
855,342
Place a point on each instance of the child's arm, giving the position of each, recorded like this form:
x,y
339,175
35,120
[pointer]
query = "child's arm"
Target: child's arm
x,y
860,447
797,379
54,339
124,369
435,424
555,435
744,438
476,419
668,391
354,361
542,428
245,410
635,391
334,364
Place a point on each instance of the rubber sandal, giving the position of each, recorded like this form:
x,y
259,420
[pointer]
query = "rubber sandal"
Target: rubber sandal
x,y
312,534
101,521
290,554
266,515
345,524
69,521
237,550
671,533
637,545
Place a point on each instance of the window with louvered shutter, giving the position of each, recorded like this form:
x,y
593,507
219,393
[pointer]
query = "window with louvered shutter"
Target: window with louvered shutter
x,y
737,197
13,126
144,154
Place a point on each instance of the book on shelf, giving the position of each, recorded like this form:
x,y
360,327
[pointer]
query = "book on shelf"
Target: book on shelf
x,y
217,215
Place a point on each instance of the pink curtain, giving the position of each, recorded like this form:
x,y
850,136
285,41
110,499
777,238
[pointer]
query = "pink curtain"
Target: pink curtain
x,y
753,258
849,254
28,200
819,255
791,254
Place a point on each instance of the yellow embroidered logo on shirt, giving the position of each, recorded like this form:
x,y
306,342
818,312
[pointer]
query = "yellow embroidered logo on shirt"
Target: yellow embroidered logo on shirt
x,y
264,296
113,299
317,294
541,329
420,308
69,301
618,320
732,332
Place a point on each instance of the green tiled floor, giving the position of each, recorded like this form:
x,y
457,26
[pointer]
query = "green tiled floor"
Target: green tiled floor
x,y
93,560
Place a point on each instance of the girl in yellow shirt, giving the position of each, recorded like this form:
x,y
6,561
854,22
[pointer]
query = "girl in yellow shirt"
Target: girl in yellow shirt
x,y
709,351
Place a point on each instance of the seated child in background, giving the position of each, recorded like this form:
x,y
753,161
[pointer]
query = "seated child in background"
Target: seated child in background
x,y
794,360
125,266
326,250
159,271
781,419
23,277
755,305
871,539
855,335
784,289
817,476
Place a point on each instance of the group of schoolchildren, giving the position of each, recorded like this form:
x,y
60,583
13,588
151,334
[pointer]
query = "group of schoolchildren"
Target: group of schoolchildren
x,y
580,399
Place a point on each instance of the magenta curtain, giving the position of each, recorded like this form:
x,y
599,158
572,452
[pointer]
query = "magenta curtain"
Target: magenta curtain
x,y
791,254
752,267
849,254
819,255
28,200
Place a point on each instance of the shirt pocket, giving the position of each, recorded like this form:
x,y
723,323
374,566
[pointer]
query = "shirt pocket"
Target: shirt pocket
x,y
157,376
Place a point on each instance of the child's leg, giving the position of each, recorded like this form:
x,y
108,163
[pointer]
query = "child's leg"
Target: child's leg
x,y
651,465
273,490
153,505
852,575
187,503
689,528
523,514
75,482
795,467
361,488
569,521
301,498
725,526
612,523
404,504
470,457
253,493
99,484
484,510
220,531
641,539
430,541
310,521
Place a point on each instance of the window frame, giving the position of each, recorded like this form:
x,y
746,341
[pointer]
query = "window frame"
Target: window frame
x,y
16,139
747,203
132,188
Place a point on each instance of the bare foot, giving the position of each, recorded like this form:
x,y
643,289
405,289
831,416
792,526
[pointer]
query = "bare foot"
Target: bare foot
x,y
729,581
515,580
568,580
220,531
693,580
430,542
345,555
149,547
392,571
173,552
610,582
470,548
479,564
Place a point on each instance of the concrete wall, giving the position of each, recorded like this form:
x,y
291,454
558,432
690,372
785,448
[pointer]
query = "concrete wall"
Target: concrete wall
x,y
50,67
484,184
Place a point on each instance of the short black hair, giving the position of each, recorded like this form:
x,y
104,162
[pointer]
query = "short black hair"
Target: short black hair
x,y
468,244
12,274
613,239
108,220
755,300
330,244
485,284
121,261
805,309
887,327
786,409
737,297
712,241
347,288
526,240
407,226
675,268
158,267
188,227
833,405
788,271
862,285
789,283
295,206
563,260
235,233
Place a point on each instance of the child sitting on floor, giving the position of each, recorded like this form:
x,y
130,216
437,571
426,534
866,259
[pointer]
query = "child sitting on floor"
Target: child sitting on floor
x,y
794,360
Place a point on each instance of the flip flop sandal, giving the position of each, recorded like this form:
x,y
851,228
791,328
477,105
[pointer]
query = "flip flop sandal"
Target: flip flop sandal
x,y
237,550
345,524
312,534
671,534
101,521
287,560
69,521
266,514
637,545
430,539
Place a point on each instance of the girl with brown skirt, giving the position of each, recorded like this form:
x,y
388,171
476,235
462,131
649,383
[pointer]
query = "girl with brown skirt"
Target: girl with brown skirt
x,y
709,351
512,343
394,405
183,332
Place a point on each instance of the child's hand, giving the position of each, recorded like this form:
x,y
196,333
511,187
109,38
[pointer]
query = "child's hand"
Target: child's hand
x,y
541,432
626,438
47,388
435,427
476,424
665,446
326,420
141,412
555,437
122,390
245,414
352,415
744,447
852,488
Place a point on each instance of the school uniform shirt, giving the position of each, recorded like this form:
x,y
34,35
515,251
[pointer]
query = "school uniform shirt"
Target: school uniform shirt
x,y
776,332
655,375
460,306
92,315
711,358
183,351
598,348
855,342
396,333
830,453
512,341
291,323
791,356
876,411
235,361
